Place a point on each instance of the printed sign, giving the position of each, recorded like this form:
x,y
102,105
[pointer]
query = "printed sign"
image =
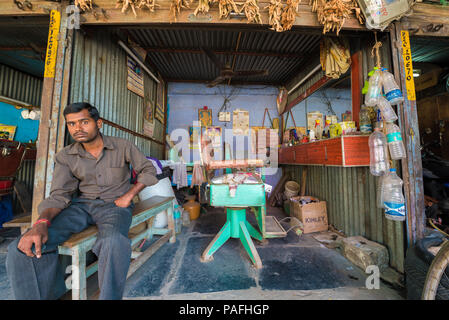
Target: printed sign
x,y
408,67
52,45
160,103
135,77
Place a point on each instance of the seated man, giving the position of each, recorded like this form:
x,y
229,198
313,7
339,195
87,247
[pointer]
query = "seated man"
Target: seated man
x,y
97,167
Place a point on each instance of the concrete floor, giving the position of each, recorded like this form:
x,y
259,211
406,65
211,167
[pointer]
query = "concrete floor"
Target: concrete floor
x,y
294,268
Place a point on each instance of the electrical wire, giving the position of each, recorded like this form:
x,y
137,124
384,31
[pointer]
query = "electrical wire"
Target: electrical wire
x,y
435,227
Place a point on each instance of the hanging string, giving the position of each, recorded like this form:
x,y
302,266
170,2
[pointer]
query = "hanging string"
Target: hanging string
x,y
375,50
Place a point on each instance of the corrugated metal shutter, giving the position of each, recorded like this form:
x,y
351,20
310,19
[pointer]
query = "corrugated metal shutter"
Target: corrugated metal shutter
x,y
99,76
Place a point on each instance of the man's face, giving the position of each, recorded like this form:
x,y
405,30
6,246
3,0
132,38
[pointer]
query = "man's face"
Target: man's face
x,y
82,127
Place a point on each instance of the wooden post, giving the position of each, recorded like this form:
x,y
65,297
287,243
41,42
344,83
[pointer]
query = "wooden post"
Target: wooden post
x,y
356,85
50,106
303,181
408,122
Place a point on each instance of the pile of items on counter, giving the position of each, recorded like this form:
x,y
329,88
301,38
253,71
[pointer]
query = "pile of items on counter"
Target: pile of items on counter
x,y
331,129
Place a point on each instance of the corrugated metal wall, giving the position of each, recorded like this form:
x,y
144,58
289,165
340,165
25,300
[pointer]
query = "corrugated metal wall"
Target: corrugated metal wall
x,y
99,76
20,86
350,193
308,83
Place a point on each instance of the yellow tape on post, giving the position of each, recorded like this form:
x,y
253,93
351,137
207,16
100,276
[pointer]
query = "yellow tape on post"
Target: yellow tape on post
x,y
52,45
408,66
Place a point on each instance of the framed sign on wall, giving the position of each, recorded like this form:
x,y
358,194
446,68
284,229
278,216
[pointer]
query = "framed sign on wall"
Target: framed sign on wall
x,y
159,113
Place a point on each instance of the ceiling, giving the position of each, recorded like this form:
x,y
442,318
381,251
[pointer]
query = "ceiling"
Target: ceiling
x,y
23,43
177,55
175,51
430,49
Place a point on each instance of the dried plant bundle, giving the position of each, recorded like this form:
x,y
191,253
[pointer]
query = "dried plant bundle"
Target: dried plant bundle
x,y
275,15
84,5
289,14
203,7
126,4
176,6
251,10
225,7
150,4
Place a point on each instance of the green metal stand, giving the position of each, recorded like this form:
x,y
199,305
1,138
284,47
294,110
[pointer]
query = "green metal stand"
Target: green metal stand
x,y
236,226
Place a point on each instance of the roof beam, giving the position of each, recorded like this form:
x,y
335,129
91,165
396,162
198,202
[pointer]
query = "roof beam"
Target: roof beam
x,y
35,49
234,82
113,16
238,53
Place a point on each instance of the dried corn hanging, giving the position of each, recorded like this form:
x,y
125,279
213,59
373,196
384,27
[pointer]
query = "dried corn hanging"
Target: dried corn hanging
x,y
203,7
84,5
225,7
150,4
176,6
332,14
251,10
275,15
126,4
289,14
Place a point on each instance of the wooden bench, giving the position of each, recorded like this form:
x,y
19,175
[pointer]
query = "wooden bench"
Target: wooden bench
x,y
23,222
79,244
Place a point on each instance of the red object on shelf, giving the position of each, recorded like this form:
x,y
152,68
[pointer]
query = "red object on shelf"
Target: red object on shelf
x,y
6,184
345,151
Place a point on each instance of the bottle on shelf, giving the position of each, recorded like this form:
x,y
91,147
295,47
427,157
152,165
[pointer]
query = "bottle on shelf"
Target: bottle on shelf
x,y
379,163
177,217
394,202
312,135
391,89
326,133
395,143
318,129
374,88
365,121
386,110
185,218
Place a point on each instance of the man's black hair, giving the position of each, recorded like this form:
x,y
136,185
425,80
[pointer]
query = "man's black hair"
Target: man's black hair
x,y
79,106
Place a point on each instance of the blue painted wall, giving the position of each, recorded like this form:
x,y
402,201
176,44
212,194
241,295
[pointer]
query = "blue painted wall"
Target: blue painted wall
x,y
340,102
27,129
185,99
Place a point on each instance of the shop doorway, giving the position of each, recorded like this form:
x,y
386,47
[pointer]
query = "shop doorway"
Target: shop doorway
x,y
431,75
23,42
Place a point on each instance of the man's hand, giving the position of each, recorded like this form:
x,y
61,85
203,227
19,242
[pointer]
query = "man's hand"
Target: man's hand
x,y
37,235
123,202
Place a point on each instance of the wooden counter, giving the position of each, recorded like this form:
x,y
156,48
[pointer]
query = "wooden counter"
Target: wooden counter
x,y
345,151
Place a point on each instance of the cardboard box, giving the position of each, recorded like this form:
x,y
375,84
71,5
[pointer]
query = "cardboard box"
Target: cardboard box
x,y
312,215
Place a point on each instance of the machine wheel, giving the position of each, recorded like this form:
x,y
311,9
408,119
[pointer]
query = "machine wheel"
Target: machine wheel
x,y
436,286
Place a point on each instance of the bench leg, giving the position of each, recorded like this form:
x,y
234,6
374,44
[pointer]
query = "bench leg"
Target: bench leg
x,y
171,223
79,291
24,229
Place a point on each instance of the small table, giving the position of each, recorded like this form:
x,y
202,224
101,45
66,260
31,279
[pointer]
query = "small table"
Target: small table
x,y
236,226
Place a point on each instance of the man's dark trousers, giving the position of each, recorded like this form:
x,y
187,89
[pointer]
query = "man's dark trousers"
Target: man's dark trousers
x,y
43,278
